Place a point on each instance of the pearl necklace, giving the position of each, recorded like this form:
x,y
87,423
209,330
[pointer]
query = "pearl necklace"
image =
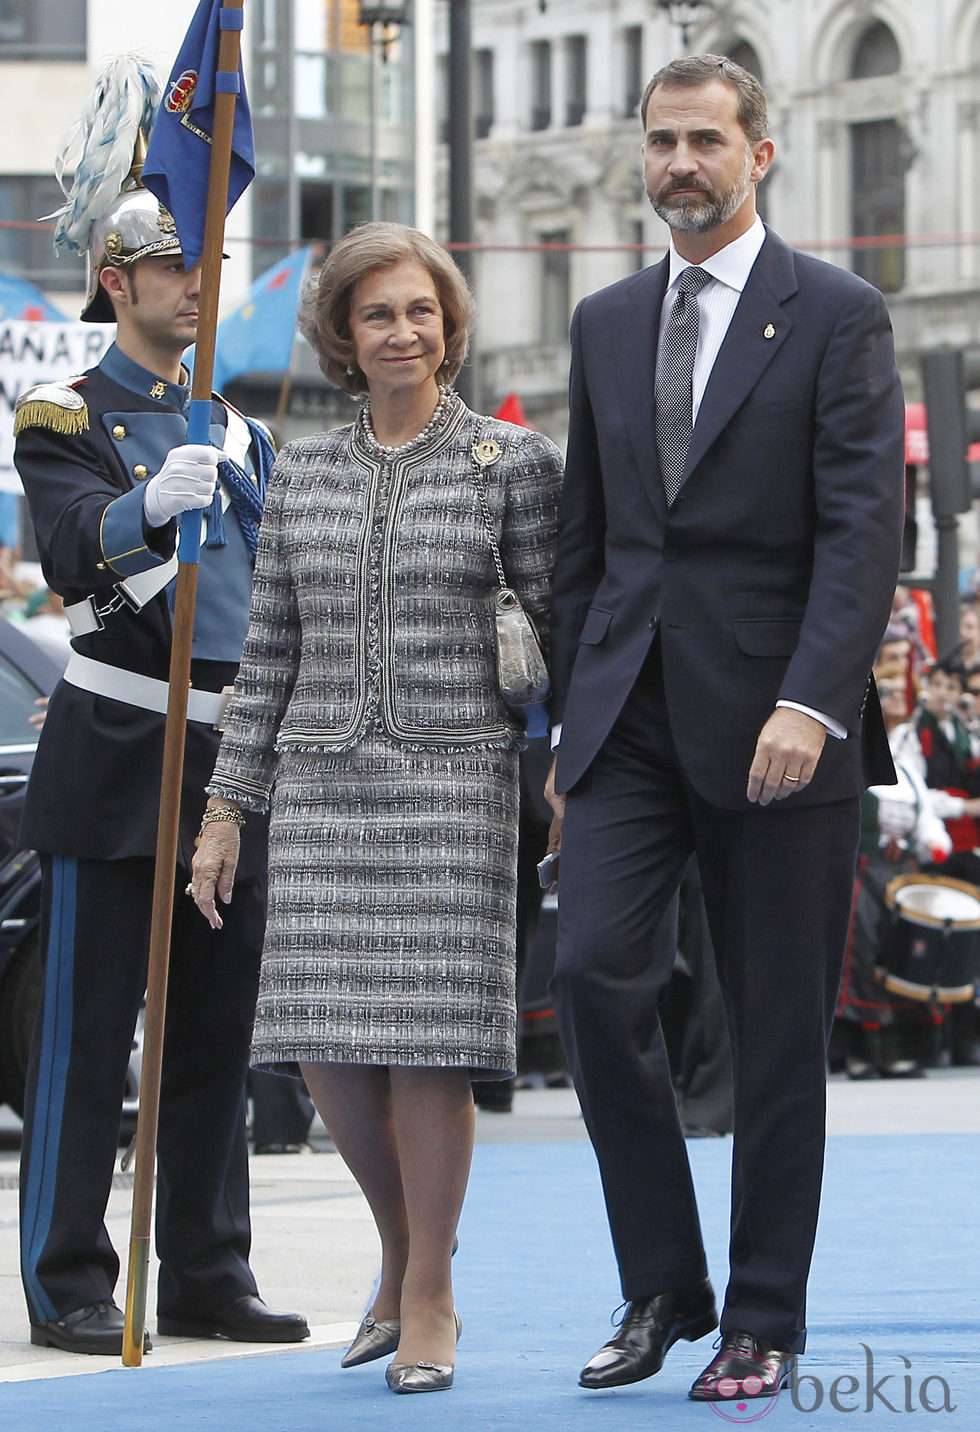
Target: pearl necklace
x,y
446,396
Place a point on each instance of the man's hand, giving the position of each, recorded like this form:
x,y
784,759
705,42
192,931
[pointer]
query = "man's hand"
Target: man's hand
x,y
557,804
786,755
186,481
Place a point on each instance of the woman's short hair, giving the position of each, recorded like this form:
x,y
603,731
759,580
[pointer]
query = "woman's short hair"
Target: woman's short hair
x,y
324,316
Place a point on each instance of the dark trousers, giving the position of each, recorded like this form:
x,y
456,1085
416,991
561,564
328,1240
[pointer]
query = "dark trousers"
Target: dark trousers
x,y
95,921
282,1110
777,885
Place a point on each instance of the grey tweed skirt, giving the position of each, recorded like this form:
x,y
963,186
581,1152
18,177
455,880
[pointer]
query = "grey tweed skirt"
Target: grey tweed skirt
x,y
392,895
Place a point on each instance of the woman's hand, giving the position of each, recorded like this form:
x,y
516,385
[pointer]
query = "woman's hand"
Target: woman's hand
x,y
213,868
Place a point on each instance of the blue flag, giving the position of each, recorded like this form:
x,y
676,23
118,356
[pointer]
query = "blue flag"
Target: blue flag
x,y
20,299
178,159
257,336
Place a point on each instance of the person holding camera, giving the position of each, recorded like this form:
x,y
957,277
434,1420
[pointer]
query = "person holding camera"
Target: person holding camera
x,y
369,713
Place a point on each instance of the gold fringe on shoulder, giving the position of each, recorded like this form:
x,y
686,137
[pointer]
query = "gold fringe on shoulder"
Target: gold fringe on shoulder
x,y
42,413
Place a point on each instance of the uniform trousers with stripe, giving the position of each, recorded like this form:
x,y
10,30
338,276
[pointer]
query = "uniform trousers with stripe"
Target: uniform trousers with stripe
x,y
777,884
95,923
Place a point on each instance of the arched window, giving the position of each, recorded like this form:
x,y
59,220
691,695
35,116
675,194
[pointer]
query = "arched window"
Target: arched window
x,y
745,55
876,53
879,159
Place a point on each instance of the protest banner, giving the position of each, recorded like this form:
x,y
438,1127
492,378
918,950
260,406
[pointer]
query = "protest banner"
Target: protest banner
x,y
33,353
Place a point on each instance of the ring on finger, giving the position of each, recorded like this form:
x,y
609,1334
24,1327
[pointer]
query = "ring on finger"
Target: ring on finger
x,y
794,779
189,890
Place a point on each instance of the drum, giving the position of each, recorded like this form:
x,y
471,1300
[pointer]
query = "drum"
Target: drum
x,y
932,949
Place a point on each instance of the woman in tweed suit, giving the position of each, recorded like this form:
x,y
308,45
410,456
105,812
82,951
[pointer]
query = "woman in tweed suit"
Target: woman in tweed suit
x,y
367,711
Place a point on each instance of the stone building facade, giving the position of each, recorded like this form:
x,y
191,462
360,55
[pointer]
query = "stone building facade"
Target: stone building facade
x,y
875,111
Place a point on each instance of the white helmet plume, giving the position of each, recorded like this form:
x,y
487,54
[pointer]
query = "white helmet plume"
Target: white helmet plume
x,y
100,148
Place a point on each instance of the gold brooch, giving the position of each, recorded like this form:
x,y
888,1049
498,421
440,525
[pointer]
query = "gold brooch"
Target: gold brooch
x,y
769,331
159,390
487,452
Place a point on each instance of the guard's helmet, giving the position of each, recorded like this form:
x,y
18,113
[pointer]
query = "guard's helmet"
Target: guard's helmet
x,y
107,215
137,226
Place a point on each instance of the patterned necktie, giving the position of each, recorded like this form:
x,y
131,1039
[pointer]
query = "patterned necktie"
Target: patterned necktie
x,y
673,397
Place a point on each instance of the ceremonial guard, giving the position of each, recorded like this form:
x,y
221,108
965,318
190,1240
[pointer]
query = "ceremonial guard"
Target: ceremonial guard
x,y
106,469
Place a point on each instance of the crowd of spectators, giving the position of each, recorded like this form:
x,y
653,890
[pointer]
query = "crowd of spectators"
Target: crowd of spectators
x,y
24,597
895,1013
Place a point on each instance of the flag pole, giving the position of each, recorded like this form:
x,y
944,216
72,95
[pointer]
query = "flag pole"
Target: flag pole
x,y
198,431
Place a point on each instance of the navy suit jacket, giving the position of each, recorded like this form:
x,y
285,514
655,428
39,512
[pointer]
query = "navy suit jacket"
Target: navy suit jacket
x,y
94,790
772,574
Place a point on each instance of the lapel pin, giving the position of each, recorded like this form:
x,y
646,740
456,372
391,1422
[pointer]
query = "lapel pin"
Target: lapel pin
x,y
769,331
487,452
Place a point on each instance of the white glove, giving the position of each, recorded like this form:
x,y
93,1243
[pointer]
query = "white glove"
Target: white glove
x,y
896,819
185,482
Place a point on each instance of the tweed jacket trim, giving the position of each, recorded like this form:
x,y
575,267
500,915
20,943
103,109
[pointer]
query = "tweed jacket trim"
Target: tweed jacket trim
x,y
371,607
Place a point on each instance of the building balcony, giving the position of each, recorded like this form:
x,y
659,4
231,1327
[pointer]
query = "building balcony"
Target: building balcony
x,y
532,371
926,320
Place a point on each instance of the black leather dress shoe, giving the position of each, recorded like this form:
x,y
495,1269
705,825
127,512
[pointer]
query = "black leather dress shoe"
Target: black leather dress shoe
x,y
744,1366
245,1319
96,1329
650,1327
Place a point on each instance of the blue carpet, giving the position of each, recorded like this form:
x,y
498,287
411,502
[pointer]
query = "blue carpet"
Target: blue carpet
x,y
894,1316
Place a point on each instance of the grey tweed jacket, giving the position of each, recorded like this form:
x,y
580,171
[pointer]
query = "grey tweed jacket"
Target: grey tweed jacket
x,y
371,607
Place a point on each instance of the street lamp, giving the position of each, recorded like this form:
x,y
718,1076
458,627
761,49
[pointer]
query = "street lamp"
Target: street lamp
x,y
384,12
383,19
685,13
389,16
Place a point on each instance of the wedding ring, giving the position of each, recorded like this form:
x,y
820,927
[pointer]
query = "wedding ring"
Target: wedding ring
x,y
794,779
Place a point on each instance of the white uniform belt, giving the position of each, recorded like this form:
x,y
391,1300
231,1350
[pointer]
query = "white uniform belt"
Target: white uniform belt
x,y
146,692
85,617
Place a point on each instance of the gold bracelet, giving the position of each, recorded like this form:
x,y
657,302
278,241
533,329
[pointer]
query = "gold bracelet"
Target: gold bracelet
x,y
213,814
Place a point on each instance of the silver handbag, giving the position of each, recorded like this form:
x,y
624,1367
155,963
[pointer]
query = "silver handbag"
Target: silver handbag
x,y
521,671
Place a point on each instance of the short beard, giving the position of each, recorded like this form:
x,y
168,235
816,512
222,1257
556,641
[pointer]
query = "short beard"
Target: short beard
x,y
699,216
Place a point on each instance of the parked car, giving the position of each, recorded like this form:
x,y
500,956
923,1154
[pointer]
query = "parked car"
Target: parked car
x,y
27,671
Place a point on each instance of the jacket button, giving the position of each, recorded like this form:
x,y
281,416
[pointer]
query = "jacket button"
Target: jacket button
x,y
670,554
140,471
119,431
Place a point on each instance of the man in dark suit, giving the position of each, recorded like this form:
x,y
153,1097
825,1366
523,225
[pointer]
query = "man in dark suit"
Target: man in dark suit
x,y
731,525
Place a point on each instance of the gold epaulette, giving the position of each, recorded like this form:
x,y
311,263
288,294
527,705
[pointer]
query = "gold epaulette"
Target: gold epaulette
x,y
51,405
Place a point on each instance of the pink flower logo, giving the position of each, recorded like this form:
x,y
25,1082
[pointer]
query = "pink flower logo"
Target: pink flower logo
x,y
739,1400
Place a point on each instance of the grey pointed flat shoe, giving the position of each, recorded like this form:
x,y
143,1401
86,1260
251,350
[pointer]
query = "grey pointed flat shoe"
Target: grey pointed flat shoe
x,y
418,1376
422,1376
373,1339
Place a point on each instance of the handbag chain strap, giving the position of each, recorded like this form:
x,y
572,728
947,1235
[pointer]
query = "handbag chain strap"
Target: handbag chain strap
x,y
485,506
485,453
